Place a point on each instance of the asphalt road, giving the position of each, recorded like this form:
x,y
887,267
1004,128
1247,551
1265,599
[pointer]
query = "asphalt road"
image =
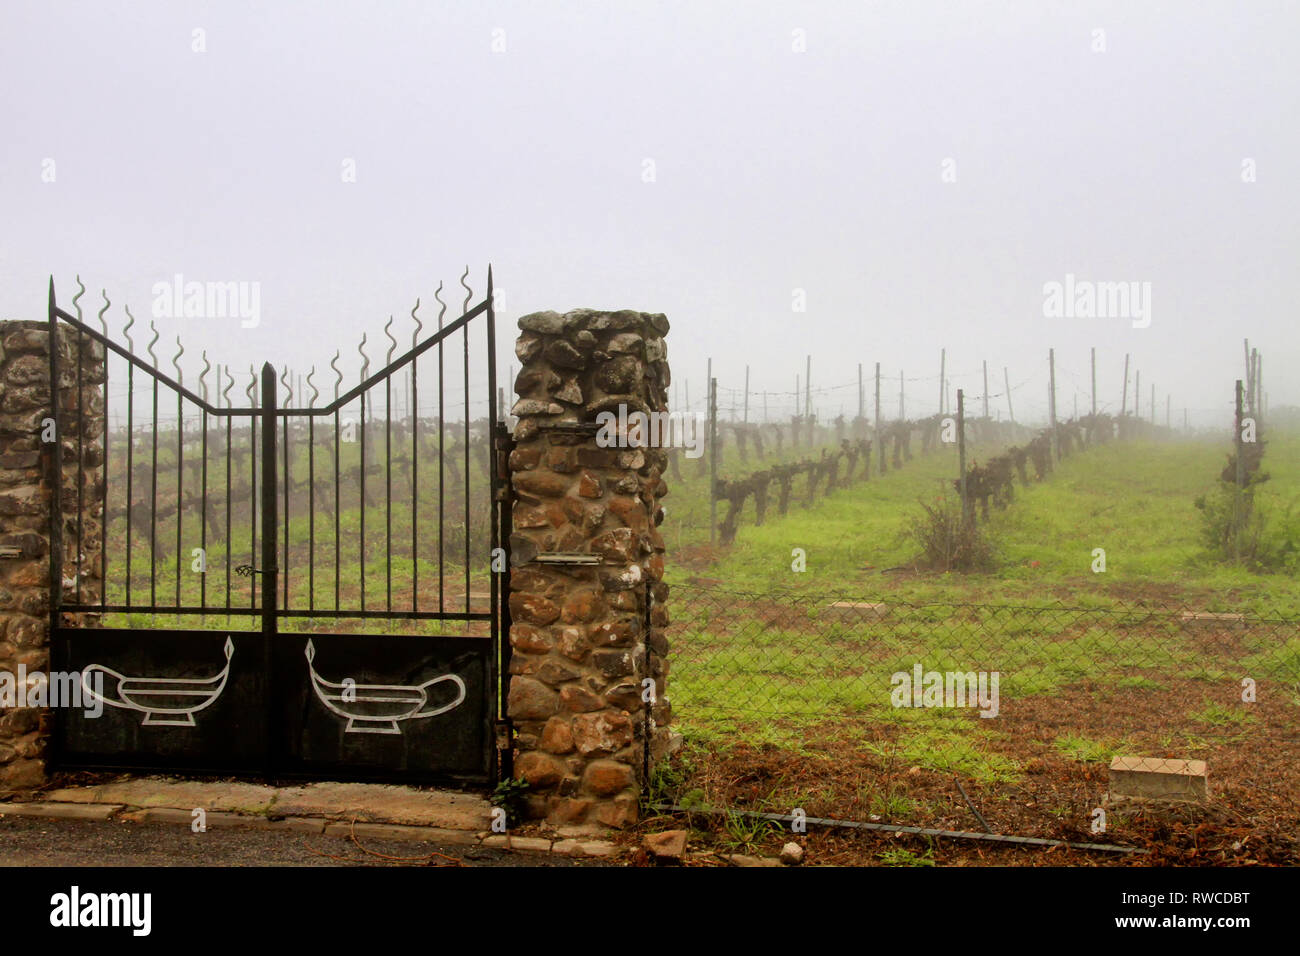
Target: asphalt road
x,y
26,841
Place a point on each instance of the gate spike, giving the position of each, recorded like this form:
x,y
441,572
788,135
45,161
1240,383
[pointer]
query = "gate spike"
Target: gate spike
x,y
176,364
202,375
289,388
103,326
419,325
388,359
252,384
149,348
230,380
81,290
365,359
469,293
442,311
338,380
126,329
315,392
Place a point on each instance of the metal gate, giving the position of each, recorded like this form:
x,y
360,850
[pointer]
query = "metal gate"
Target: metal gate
x,y
333,606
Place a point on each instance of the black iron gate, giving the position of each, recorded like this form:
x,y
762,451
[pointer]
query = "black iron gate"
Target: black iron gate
x,y
280,663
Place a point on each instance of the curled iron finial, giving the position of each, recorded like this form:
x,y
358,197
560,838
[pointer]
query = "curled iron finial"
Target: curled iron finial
x,y
103,326
388,359
149,348
315,392
252,383
126,329
338,376
81,290
419,325
365,360
469,293
443,310
230,380
176,362
202,375
284,375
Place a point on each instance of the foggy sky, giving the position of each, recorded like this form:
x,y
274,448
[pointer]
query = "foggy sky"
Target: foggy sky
x,y
774,171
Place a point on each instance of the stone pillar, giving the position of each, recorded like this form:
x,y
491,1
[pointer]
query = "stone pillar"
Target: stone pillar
x,y
585,636
26,496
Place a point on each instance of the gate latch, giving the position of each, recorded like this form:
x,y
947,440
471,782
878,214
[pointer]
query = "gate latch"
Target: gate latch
x,y
247,570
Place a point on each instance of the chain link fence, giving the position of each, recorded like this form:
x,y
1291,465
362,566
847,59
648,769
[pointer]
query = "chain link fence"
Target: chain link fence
x,y
918,713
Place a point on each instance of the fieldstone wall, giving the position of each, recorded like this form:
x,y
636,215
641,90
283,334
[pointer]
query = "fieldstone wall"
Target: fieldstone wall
x,y
26,496
584,637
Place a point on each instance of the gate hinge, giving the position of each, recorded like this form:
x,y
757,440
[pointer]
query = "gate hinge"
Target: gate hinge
x,y
504,731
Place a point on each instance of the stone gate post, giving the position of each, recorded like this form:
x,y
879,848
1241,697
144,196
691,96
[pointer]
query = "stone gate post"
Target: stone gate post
x,y
587,597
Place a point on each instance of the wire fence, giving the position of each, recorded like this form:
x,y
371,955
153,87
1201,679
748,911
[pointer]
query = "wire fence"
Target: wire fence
x,y
863,702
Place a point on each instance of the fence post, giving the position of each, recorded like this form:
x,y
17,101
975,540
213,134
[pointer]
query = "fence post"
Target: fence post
x,y
1123,404
986,388
879,440
1051,405
1241,477
943,364
713,460
966,513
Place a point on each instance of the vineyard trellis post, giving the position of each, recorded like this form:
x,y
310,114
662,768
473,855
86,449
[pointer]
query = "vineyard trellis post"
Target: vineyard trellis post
x,y
986,388
713,458
943,361
966,512
1123,403
879,440
1094,380
1051,404
1241,475
745,419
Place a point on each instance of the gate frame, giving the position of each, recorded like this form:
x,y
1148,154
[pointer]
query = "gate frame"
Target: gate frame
x,y
495,723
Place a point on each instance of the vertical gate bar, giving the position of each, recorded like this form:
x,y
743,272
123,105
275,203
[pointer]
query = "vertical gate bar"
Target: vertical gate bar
x,y
230,544
130,467
252,491
415,487
496,449
286,476
203,519
153,510
103,499
337,483
465,339
388,485
503,626
442,484
270,579
81,457
180,497
311,507
53,452
361,564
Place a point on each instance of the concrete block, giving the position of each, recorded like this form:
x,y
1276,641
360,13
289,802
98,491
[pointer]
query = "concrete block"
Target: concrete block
x,y
1159,778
